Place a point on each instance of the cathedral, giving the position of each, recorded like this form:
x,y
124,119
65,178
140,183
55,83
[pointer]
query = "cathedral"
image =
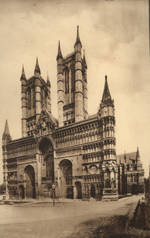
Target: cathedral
x,y
75,154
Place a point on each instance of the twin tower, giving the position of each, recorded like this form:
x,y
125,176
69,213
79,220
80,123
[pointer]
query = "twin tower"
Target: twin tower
x,y
71,91
72,85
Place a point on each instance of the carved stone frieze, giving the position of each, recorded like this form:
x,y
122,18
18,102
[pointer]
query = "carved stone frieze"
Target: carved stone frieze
x,y
109,165
45,124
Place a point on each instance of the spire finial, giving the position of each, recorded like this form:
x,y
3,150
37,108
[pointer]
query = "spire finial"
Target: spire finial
x,y
48,81
59,56
23,76
78,37
37,68
137,154
6,134
120,160
84,60
106,94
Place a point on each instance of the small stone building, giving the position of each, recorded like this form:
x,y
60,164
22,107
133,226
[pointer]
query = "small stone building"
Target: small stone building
x,y
76,152
130,173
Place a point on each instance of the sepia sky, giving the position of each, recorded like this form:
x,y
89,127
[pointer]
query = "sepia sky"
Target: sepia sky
x,y
115,36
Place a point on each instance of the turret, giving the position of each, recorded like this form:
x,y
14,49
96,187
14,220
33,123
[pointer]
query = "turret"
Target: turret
x,y
78,80
23,102
5,139
85,96
107,124
138,161
84,62
49,94
107,116
37,68
6,135
107,104
60,86
37,73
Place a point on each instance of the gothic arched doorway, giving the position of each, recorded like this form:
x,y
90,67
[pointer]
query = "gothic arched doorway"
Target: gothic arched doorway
x,y
30,182
66,188
78,190
92,190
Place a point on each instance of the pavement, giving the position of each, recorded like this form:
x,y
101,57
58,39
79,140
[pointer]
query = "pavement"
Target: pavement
x,y
40,219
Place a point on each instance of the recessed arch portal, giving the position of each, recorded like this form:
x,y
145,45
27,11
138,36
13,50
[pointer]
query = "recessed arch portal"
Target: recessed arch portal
x,y
46,149
30,181
66,188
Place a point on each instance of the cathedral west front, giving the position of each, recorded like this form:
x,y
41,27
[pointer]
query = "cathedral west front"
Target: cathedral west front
x,y
75,152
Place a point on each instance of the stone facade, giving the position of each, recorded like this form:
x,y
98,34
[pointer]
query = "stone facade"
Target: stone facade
x,y
130,173
76,152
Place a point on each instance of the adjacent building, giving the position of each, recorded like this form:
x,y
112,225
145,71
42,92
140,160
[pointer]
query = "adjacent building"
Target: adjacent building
x,y
130,173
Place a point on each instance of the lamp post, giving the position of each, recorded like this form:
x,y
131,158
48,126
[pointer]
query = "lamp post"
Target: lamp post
x,y
53,187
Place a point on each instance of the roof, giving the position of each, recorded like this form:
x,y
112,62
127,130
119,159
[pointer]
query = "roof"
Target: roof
x,y
130,158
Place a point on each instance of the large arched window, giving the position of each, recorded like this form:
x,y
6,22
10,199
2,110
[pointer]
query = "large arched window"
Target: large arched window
x,y
42,96
29,98
69,176
34,97
67,81
49,167
46,95
72,77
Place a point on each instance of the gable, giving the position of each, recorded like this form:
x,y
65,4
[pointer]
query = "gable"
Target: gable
x,y
46,123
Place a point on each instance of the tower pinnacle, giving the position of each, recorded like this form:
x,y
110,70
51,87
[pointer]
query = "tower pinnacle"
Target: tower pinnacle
x,y
23,76
84,60
78,37
37,68
137,155
59,56
6,135
48,81
106,94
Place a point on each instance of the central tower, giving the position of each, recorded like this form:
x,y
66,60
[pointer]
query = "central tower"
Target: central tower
x,y
72,85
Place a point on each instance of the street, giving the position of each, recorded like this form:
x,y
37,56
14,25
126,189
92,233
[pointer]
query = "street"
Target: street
x,y
42,220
